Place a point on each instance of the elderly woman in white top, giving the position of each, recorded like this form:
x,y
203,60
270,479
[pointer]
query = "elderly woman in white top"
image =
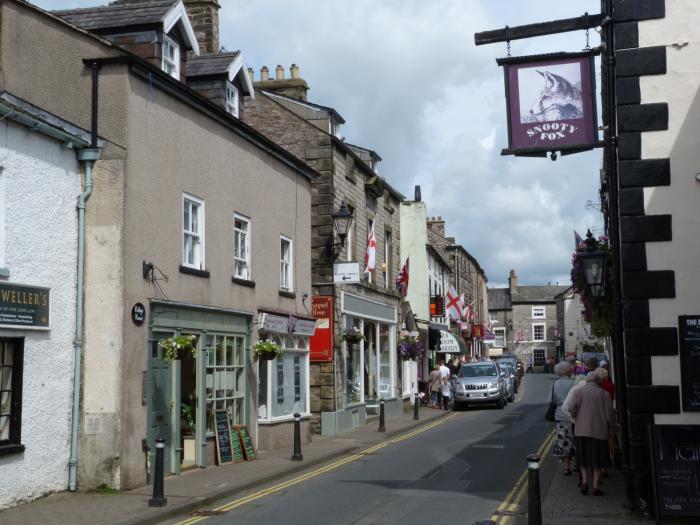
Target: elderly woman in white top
x,y
564,445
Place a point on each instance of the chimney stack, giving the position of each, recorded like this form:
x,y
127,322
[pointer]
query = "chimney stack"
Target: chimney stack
x,y
204,16
437,225
513,282
294,87
251,74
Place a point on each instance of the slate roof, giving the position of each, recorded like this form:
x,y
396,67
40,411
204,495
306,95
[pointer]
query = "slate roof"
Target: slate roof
x,y
536,294
111,16
499,299
214,64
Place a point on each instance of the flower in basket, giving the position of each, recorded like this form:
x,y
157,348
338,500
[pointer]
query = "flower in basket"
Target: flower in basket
x,y
266,349
353,335
174,346
410,348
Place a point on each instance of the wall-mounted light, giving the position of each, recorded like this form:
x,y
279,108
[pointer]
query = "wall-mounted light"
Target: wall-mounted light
x,y
342,220
593,261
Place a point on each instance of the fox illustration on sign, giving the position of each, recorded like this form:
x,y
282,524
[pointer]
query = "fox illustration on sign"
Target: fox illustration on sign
x,y
559,99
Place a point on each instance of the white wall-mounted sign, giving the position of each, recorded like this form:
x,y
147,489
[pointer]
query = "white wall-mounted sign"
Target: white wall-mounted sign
x,y
346,272
448,343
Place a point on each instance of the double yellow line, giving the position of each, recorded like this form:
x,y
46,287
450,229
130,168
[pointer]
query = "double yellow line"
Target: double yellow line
x,y
327,468
514,498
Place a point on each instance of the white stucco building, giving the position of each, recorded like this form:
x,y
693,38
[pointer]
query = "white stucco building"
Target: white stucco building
x,y
39,183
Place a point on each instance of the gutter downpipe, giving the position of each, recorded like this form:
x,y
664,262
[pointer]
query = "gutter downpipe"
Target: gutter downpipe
x,y
88,157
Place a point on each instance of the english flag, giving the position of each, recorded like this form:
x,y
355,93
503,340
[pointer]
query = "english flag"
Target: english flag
x,y
402,280
467,312
371,253
453,304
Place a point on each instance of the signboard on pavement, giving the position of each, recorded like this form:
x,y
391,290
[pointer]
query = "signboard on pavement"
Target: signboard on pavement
x,y
689,331
346,272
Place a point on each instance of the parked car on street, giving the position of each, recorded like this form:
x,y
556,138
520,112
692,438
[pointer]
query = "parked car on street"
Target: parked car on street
x,y
479,383
517,363
515,377
508,382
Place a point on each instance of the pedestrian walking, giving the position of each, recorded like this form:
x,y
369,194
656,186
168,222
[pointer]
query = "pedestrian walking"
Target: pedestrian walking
x,y
564,445
434,385
605,383
446,392
529,364
593,410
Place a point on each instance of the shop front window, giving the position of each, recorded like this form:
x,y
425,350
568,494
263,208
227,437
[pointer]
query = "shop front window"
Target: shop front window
x,y
225,378
284,380
385,361
10,392
370,360
352,372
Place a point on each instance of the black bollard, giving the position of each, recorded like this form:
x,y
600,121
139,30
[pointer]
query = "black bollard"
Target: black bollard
x,y
534,505
381,428
297,455
416,405
158,499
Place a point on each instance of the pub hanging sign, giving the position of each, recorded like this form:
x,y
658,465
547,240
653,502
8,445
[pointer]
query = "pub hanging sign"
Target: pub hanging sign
x,y
551,103
23,306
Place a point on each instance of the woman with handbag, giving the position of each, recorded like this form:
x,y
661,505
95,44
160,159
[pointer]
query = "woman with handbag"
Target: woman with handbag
x,y
564,444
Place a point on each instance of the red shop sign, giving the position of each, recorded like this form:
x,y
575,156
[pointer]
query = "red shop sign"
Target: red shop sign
x,y
322,340
478,331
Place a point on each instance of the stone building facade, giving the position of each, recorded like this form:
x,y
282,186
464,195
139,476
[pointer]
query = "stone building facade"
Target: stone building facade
x,y
340,393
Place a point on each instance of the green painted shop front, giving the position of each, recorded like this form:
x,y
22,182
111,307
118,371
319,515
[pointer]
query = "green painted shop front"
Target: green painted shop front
x,y
182,394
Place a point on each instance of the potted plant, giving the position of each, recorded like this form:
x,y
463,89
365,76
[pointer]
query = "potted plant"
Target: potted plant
x,y
266,350
187,415
410,348
173,347
353,336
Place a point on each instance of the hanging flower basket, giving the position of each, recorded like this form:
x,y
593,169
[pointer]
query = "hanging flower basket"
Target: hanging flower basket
x,y
410,348
175,347
353,336
266,350
596,310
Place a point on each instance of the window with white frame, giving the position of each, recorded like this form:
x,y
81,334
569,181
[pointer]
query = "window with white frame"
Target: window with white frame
x,y
388,258
225,377
538,356
192,232
241,247
538,332
171,57
3,205
286,275
283,382
538,312
351,239
500,337
231,102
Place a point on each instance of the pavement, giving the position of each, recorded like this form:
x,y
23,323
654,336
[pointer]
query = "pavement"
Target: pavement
x,y
196,488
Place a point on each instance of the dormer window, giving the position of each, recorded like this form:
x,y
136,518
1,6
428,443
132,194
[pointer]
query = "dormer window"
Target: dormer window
x,y
171,57
232,99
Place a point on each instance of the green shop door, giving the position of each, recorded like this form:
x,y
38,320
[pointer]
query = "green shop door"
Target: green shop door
x,y
160,401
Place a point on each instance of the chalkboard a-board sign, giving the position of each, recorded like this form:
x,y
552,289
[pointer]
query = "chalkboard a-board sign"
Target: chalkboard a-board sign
x,y
248,449
689,330
224,451
676,462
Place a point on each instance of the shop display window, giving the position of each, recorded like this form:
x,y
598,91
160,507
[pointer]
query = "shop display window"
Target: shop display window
x,y
283,381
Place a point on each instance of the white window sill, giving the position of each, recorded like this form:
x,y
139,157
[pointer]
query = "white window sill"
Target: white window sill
x,y
282,419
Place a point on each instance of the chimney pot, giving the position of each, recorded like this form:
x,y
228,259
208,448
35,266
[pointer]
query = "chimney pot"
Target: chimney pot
x,y
294,71
416,193
279,73
264,73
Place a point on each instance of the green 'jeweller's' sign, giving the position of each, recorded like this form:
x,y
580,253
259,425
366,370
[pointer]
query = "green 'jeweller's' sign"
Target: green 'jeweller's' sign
x,y
24,306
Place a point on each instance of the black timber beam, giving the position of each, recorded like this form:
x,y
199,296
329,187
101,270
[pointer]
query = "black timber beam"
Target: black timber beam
x,y
540,29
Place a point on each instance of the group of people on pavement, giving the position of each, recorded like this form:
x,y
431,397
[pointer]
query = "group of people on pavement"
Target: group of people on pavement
x,y
439,383
585,421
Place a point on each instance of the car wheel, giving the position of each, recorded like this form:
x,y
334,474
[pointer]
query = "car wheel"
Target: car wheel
x,y
501,403
457,406
511,398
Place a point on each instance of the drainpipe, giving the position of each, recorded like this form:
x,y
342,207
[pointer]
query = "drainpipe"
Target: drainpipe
x,y
87,157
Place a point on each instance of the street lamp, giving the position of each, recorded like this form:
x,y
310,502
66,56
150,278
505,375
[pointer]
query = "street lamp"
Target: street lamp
x,y
342,219
593,261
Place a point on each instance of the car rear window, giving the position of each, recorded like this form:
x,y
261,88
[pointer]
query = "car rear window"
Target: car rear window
x,y
478,371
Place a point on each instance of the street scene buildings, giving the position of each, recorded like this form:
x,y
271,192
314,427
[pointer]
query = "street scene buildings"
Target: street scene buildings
x,y
212,269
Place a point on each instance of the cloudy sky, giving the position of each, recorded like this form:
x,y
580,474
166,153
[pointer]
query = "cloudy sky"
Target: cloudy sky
x,y
411,85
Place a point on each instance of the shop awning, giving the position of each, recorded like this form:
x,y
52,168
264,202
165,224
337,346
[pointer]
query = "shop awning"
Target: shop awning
x,y
445,342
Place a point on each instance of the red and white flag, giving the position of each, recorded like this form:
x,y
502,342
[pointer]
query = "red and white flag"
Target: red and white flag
x,y
371,253
453,304
402,281
467,312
